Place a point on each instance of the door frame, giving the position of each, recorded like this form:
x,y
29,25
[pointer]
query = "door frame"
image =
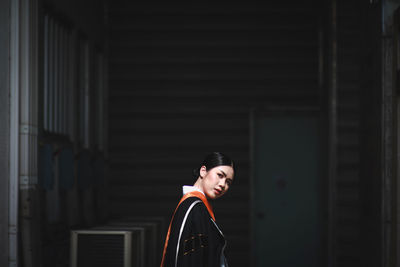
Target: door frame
x,y
324,195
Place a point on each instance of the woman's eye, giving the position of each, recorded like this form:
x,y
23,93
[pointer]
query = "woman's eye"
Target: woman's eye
x,y
219,175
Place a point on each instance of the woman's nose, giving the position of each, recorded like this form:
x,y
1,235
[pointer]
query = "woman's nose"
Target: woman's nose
x,y
222,183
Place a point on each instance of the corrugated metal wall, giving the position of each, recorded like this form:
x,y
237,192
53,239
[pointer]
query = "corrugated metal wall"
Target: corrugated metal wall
x,y
348,213
373,139
183,79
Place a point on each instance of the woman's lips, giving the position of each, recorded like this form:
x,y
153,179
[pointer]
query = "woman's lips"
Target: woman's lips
x,y
218,192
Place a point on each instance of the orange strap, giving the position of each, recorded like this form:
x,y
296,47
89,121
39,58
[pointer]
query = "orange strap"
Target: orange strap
x,y
190,194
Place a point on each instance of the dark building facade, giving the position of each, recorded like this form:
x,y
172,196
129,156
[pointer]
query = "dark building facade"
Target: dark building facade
x,y
113,103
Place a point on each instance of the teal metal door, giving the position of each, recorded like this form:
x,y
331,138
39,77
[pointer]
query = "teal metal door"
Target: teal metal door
x,y
285,191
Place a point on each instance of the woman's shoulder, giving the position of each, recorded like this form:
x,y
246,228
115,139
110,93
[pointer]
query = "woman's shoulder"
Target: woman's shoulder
x,y
192,206
192,203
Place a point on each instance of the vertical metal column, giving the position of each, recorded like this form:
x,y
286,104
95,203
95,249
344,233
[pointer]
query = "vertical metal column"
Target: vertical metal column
x,y
28,132
396,131
332,130
5,7
14,134
23,220
388,131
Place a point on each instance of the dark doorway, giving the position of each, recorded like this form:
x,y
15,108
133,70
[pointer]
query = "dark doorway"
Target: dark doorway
x,y
285,189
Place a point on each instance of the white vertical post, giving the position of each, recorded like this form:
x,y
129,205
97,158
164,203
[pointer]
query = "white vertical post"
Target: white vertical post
x,y
72,87
60,79
66,83
56,76
81,94
65,88
87,103
46,74
51,76
59,83
58,86
100,103
105,101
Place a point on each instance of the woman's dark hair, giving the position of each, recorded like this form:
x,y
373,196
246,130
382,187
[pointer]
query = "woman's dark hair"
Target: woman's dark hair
x,y
213,160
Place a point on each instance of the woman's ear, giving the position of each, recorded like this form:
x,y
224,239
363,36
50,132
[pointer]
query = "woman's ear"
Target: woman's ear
x,y
203,171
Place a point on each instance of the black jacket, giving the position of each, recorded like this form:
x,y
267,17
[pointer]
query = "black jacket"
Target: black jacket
x,y
201,243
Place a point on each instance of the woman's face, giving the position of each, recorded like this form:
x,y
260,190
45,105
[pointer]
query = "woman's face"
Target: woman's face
x,y
216,181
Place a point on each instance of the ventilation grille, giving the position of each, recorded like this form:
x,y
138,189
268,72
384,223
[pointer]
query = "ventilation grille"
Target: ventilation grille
x,y
101,248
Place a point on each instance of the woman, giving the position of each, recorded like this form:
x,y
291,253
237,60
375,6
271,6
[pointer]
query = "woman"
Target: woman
x,y
193,237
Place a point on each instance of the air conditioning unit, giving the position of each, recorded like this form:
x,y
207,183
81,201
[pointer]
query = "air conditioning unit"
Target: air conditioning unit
x,y
151,257
107,248
155,232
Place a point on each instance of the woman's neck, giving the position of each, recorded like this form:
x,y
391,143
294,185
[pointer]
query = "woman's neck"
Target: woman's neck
x,y
198,184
